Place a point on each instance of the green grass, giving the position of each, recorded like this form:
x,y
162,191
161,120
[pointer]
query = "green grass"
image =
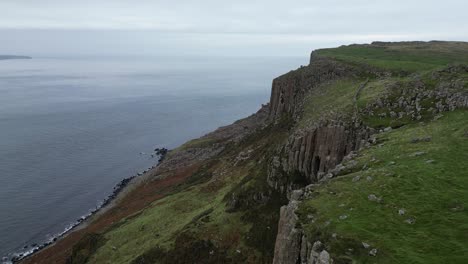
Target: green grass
x,y
330,99
159,224
399,57
434,194
372,90
195,215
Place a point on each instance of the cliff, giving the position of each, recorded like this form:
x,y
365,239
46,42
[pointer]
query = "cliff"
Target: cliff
x,y
360,157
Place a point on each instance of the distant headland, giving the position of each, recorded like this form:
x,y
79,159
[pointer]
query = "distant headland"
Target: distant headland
x,y
14,57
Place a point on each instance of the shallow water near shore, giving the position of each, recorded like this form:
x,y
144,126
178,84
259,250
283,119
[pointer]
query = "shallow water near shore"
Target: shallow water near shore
x,y
72,128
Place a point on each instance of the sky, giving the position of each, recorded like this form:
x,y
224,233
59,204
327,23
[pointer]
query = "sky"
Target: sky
x,y
214,27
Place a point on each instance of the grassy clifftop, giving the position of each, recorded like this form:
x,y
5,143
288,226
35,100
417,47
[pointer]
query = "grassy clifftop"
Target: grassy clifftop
x,y
401,56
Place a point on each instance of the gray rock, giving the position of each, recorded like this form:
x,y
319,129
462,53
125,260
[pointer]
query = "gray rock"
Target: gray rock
x,y
417,154
365,245
369,178
296,195
356,178
430,161
374,198
343,217
327,177
387,129
288,238
317,246
351,164
373,252
324,257
391,163
410,221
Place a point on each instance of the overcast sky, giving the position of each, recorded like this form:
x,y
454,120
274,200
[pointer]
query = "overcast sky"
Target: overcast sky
x,y
263,27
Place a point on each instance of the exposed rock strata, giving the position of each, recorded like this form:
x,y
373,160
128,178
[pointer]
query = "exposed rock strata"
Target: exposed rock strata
x,y
288,90
288,240
292,246
313,153
415,99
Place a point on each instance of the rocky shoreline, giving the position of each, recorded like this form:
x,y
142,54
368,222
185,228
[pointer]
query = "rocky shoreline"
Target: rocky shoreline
x,y
29,250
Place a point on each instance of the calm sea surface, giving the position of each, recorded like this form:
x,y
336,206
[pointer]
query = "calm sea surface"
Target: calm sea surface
x,y
71,128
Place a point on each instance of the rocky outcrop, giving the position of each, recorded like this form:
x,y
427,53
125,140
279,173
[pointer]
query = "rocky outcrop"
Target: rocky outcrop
x,y
288,239
292,246
288,90
309,156
416,99
321,149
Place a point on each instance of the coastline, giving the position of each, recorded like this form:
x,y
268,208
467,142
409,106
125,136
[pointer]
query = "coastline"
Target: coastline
x,y
119,191
173,168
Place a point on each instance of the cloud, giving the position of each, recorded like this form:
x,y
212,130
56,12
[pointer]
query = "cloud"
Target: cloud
x,y
241,16
213,26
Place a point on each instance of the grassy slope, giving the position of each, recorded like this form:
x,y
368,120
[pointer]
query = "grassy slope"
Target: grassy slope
x,y
330,99
433,194
195,217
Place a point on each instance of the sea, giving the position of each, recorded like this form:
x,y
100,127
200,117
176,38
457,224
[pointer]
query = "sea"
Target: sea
x,y
72,127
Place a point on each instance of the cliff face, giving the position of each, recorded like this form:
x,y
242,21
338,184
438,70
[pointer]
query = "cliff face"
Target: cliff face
x,y
288,91
314,155
310,157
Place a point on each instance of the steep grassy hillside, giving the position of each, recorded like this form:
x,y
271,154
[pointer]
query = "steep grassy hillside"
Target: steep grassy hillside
x,y
419,174
360,157
401,198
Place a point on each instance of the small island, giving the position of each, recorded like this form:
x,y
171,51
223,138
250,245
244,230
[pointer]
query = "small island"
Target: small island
x,y
14,57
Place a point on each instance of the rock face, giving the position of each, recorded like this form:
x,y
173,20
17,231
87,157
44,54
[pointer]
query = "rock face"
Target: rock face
x,y
308,155
288,240
288,90
321,149
311,155
292,246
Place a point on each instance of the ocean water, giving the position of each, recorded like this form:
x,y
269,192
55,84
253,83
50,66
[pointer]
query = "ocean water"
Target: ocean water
x,y
71,128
